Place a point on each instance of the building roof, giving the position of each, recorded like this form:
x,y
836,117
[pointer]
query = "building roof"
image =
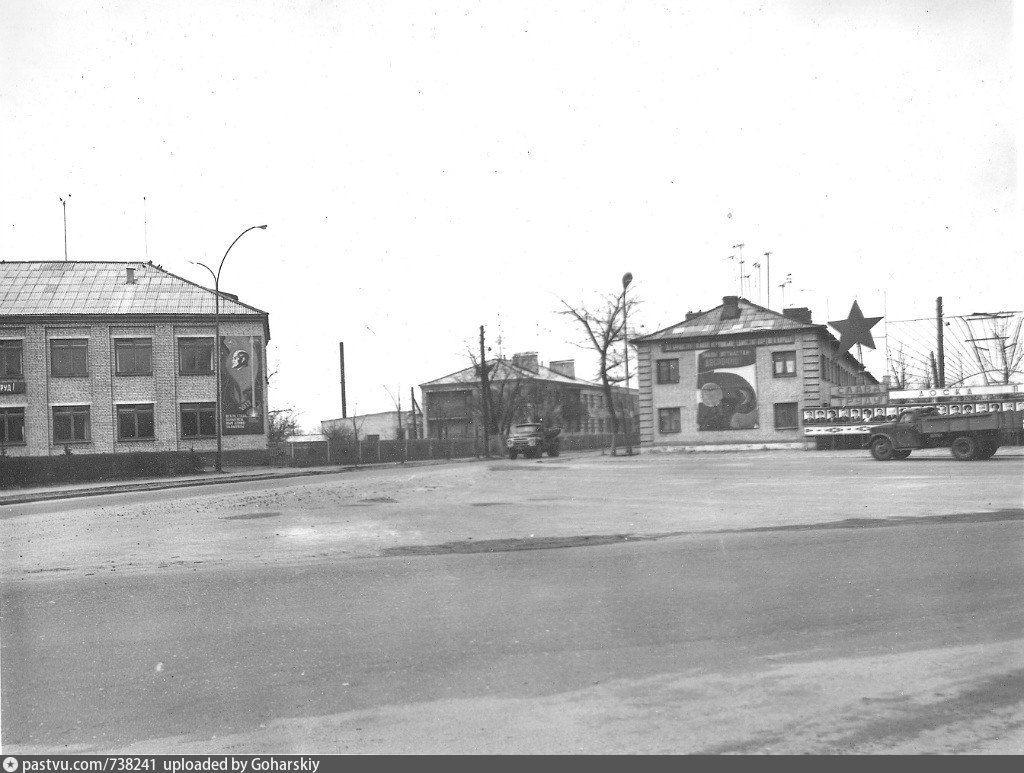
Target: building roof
x,y
49,287
752,319
506,370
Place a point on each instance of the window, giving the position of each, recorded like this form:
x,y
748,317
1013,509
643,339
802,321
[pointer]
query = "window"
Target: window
x,y
135,422
69,357
785,416
197,420
12,426
71,423
195,356
10,359
133,356
784,364
668,371
668,421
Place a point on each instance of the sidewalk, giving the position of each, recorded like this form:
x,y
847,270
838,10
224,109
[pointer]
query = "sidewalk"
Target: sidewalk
x,y
237,475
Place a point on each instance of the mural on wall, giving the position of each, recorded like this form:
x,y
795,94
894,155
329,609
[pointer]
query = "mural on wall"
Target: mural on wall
x,y
241,384
726,389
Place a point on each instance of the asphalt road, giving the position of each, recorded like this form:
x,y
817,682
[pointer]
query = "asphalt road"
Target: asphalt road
x,y
872,638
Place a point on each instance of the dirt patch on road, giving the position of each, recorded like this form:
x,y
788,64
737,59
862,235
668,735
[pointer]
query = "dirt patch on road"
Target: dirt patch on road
x,y
871,523
506,545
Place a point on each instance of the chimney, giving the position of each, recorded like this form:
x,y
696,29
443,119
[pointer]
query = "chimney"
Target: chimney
x,y
730,307
566,368
129,278
798,314
691,314
526,361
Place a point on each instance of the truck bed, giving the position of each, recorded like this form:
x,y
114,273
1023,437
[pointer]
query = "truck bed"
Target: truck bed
x,y
978,422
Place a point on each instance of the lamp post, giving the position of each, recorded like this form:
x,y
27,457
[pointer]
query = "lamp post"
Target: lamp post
x,y
216,338
626,279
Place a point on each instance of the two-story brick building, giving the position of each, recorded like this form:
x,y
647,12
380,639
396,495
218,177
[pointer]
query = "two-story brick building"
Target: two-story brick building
x,y
523,390
108,357
738,373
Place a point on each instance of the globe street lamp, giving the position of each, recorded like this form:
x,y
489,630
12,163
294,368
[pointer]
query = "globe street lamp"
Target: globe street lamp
x,y
216,337
626,279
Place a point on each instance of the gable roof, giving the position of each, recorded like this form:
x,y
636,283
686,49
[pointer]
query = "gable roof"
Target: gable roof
x,y
505,370
752,319
47,287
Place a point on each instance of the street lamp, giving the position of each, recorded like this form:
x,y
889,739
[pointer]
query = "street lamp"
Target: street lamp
x,y
216,336
626,279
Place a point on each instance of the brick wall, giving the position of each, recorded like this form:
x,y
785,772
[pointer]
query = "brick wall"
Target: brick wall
x,y
102,389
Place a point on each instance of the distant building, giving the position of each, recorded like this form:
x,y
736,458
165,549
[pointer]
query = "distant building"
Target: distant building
x,y
739,373
111,357
524,390
386,425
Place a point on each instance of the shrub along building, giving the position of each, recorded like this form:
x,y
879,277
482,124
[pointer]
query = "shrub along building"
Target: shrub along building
x,y
112,357
739,373
522,390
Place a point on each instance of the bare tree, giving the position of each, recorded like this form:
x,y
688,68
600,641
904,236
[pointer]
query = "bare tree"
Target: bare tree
x,y
506,395
603,324
898,369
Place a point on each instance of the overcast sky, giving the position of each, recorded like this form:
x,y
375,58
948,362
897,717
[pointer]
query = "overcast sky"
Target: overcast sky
x,y
428,167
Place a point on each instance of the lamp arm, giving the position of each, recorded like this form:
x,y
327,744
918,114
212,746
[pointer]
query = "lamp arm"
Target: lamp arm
x,y
250,228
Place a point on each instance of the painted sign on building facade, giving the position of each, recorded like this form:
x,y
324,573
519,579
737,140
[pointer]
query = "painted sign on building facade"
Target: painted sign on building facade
x,y
241,381
9,386
726,389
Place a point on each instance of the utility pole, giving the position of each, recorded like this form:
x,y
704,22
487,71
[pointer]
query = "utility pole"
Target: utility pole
x,y
412,408
485,395
627,278
341,352
768,261
941,371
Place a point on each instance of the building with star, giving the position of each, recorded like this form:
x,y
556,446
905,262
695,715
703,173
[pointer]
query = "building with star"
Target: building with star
x,y
741,373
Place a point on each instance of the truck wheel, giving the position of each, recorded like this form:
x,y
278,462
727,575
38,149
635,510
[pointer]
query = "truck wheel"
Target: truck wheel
x,y
901,455
881,449
513,454
553,452
965,448
988,450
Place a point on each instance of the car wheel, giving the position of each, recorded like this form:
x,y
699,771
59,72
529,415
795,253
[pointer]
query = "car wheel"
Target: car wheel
x,y
553,452
901,455
881,449
965,448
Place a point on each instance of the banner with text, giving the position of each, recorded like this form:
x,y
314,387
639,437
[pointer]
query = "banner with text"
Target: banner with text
x,y
726,389
241,383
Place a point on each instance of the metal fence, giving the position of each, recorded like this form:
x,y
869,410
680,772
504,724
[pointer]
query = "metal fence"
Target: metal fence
x,y
396,451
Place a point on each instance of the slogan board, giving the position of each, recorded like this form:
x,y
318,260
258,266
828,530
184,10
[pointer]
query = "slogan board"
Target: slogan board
x,y
9,386
241,384
726,389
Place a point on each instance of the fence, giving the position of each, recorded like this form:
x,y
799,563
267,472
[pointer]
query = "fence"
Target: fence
x,y
384,451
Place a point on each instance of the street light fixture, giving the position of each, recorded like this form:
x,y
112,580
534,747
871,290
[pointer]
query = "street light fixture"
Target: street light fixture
x,y
627,278
216,337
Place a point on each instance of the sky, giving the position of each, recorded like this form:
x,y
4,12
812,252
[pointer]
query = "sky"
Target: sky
x,y
425,168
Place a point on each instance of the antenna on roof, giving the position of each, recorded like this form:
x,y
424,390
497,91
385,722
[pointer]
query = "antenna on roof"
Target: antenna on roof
x,y
145,227
64,205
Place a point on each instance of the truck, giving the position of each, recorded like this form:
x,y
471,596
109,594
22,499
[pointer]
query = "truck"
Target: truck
x,y
969,437
533,439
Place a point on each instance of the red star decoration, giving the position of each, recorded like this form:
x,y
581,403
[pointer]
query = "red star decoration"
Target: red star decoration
x,y
855,329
